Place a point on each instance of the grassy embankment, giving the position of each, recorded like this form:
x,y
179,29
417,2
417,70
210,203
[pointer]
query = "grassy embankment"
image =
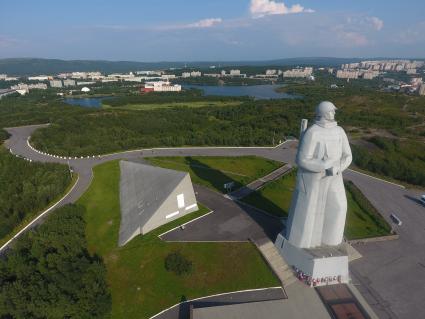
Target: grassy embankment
x,y
363,221
139,283
29,217
27,189
215,171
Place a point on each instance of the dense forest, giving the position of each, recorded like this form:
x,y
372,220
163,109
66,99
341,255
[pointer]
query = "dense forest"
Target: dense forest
x,y
26,188
252,123
38,107
49,273
403,160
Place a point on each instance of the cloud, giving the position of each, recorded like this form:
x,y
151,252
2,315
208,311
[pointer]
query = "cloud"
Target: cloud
x,y
205,23
7,42
377,23
201,24
261,8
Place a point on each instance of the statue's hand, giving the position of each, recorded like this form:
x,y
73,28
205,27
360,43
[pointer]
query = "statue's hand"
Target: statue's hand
x,y
327,164
334,170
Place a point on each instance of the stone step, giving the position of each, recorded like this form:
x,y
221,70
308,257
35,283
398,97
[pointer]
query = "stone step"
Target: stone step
x,y
276,262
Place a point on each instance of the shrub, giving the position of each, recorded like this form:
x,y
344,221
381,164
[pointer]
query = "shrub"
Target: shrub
x,y
178,264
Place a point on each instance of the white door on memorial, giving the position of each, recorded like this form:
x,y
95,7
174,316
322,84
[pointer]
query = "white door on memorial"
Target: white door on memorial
x,y
180,200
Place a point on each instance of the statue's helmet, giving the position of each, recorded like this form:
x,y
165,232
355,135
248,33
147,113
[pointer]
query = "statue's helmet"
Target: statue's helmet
x,y
324,107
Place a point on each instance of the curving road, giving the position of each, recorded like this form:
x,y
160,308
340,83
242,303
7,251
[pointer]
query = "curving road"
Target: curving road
x,y
391,276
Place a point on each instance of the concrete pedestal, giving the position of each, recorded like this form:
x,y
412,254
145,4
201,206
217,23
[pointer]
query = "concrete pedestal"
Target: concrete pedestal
x,y
318,266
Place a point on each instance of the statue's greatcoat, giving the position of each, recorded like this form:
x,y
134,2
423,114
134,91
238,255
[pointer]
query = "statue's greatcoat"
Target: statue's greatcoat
x,y
319,204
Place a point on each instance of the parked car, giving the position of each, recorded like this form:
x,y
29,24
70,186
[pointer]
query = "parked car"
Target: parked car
x,y
423,199
396,219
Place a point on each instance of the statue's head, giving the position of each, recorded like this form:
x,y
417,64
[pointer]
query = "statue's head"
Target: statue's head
x,y
325,111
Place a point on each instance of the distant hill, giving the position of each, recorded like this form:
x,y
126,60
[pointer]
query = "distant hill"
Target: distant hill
x,y
32,66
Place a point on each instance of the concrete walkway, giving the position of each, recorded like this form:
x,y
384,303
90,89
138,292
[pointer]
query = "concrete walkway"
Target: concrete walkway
x,y
259,183
282,270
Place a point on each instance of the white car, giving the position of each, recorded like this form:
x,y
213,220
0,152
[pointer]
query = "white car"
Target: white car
x,y
396,219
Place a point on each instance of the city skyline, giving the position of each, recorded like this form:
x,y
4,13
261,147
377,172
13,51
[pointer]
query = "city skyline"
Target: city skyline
x,y
214,31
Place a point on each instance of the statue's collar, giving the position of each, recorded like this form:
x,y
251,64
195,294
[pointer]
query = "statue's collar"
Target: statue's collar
x,y
326,124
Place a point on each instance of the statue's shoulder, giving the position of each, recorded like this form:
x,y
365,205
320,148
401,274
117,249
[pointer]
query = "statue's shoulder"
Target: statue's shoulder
x,y
340,129
311,133
314,129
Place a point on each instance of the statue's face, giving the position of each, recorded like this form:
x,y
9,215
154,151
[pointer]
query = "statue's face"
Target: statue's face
x,y
330,115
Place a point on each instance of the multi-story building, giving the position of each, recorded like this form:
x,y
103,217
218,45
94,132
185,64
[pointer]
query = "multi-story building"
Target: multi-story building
x,y
168,76
95,75
298,73
68,82
369,75
186,75
212,75
271,72
195,74
149,72
134,79
39,78
79,75
161,86
235,72
56,83
347,74
3,76
11,78
27,87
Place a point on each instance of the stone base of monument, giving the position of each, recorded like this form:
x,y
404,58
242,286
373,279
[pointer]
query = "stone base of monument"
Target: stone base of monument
x,y
320,266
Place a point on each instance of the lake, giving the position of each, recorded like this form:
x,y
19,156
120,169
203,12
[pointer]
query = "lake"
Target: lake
x,y
258,92
95,102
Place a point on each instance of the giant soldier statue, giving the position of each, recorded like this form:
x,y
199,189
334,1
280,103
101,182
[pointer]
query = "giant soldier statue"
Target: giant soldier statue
x,y
319,204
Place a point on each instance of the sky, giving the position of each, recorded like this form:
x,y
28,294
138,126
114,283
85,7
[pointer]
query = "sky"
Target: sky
x,y
211,30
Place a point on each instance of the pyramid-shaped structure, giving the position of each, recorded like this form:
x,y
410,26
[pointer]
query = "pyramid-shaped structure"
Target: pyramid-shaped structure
x,y
150,197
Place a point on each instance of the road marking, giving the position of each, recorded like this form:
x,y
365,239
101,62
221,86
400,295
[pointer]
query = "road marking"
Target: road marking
x,y
192,220
216,295
172,215
379,179
39,216
191,206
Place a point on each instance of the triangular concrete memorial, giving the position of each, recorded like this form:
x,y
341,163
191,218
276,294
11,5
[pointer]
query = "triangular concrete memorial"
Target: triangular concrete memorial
x,y
150,197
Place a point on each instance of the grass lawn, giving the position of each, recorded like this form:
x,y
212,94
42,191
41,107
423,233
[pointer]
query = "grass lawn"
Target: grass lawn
x,y
194,104
275,198
215,171
139,283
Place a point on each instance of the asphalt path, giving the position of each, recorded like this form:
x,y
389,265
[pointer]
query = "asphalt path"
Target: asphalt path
x,y
391,276
228,221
